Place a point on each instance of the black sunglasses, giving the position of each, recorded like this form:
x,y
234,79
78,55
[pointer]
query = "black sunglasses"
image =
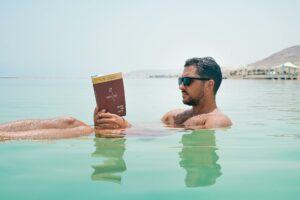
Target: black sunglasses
x,y
186,81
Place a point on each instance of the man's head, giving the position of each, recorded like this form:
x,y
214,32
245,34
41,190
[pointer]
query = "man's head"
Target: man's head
x,y
206,79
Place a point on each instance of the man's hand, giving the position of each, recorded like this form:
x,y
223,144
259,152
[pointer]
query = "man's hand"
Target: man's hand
x,y
106,120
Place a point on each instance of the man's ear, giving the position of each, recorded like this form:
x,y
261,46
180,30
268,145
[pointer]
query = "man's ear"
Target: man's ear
x,y
210,84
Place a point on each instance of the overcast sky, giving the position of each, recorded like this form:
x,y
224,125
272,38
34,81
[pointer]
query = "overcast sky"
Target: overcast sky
x,y
81,38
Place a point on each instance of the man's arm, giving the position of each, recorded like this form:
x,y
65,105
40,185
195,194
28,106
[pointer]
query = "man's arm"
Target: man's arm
x,y
176,117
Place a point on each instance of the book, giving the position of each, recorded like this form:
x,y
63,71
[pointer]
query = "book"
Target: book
x,y
109,93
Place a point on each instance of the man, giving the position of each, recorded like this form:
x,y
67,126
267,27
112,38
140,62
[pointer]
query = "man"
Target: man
x,y
199,83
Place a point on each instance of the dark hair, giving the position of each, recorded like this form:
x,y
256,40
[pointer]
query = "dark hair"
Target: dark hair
x,y
207,67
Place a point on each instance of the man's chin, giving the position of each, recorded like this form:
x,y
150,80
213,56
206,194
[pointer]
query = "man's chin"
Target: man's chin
x,y
186,102
189,102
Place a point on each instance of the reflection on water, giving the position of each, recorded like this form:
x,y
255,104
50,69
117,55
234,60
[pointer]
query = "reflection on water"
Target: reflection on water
x,y
110,151
199,158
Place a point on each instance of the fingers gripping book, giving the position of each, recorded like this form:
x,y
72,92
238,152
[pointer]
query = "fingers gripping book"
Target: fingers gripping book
x,y
109,93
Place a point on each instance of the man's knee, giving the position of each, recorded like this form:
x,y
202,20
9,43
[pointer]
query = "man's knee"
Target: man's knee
x,y
72,122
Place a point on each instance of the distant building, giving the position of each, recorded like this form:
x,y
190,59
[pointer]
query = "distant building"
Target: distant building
x,y
287,71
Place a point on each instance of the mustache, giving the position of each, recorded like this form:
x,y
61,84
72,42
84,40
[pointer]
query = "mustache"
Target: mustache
x,y
184,92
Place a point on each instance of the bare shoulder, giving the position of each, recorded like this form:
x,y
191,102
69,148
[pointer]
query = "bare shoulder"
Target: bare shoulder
x,y
217,120
170,115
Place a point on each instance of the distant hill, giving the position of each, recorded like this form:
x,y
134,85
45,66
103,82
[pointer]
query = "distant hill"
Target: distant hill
x,y
291,54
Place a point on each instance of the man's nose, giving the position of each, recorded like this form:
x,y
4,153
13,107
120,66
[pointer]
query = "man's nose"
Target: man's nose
x,y
181,87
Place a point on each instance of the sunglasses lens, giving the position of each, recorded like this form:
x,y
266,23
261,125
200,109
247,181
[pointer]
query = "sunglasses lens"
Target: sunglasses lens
x,y
180,81
187,81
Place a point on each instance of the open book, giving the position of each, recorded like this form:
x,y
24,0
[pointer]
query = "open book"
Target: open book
x,y
109,93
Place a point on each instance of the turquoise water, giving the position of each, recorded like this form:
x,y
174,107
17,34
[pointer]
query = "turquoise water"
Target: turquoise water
x,y
258,158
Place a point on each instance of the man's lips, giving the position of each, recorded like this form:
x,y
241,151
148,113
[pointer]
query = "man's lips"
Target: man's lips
x,y
184,94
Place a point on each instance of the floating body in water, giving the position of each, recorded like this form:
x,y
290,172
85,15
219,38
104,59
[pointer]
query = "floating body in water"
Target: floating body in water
x,y
199,83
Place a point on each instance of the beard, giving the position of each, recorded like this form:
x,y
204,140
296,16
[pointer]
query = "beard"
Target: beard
x,y
192,101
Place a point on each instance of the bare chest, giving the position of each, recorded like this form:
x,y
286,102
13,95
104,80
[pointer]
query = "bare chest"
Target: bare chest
x,y
198,120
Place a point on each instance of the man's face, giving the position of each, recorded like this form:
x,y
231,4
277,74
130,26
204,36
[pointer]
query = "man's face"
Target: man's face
x,y
194,93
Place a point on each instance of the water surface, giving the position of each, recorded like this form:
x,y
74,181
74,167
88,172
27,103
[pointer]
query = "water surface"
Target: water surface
x,y
258,158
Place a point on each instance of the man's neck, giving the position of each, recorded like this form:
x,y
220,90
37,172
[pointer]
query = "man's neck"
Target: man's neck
x,y
204,107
